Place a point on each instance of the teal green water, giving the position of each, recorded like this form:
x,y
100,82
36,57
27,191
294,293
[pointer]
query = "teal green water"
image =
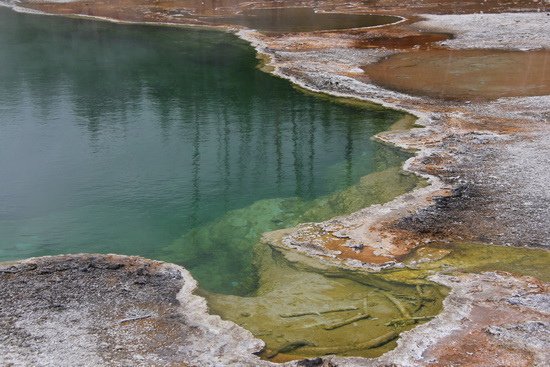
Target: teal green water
x,y
166,143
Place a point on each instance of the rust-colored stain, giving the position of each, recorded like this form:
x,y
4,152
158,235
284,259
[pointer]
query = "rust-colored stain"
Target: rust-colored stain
x,y
365,254
474,347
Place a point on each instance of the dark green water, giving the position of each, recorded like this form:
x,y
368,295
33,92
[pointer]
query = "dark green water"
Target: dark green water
x,y
165,143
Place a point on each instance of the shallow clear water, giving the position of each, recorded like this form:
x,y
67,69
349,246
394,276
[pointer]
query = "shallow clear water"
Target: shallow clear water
x,y
301,20
142,140
465,74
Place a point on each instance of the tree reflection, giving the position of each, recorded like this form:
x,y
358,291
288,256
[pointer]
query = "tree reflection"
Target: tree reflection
x,y
182,128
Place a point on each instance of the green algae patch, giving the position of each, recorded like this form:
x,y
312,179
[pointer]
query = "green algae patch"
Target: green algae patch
x,y
406,122
376,188
348,101
473,258
300,311
227,243
304,307
264,63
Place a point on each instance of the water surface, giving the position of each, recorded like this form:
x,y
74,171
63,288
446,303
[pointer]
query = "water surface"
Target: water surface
x,y
301,20
465,74
167,143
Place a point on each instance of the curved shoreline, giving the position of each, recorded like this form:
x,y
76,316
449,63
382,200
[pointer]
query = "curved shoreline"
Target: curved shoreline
x,y
422,197
427,142
355,89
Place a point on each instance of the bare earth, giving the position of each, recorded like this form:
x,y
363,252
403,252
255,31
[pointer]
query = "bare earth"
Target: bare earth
x,y
486,160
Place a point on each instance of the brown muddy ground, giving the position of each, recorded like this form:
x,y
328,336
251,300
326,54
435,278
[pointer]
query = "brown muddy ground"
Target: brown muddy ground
x,y
465,74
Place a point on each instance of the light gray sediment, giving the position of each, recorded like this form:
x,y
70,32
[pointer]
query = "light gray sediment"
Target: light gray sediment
x,y
524,31
112,310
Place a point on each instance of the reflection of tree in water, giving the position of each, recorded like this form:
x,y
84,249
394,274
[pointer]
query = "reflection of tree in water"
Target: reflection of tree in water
x,y
110,80
196,191
241,135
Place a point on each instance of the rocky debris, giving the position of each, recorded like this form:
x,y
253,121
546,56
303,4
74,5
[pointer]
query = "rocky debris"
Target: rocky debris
x,y
533,336
314,362
500,194
538,302
100,310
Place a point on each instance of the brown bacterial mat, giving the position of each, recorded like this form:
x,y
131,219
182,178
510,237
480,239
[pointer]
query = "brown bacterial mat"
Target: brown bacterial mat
x,y
465,74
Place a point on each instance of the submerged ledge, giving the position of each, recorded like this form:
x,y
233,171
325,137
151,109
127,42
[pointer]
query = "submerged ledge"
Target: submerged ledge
x,y
113,310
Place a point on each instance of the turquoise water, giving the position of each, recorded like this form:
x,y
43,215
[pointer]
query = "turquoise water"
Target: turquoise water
x,y
165,143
